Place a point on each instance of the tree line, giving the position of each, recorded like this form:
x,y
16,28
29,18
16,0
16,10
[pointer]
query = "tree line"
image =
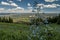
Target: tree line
x,y
54,19
6,20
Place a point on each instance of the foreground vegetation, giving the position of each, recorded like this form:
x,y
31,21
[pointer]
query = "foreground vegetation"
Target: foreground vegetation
x,y
21,31
11,31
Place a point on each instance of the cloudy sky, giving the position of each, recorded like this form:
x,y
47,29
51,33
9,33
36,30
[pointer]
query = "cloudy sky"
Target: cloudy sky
x,y
26,6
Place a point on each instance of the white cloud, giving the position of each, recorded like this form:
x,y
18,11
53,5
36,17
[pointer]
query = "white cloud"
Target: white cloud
x,y
10,4
30,7
11,1
13,10
20,8
13,4
1,9
19,0
56,4
50,0
48,6
40,5
52,6
29,4
16,10
4,3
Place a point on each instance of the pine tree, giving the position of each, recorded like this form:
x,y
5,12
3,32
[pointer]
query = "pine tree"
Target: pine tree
x,y
0,19
6,20
3,19
10,20
58,21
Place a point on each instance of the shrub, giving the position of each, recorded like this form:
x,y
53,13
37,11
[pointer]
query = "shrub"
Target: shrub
x,y
36,21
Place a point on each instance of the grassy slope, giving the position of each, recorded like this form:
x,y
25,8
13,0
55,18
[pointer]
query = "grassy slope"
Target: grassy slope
x,y
10,31
12,26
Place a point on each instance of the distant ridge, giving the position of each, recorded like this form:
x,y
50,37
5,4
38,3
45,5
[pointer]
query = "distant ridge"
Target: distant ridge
x,y
29,14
